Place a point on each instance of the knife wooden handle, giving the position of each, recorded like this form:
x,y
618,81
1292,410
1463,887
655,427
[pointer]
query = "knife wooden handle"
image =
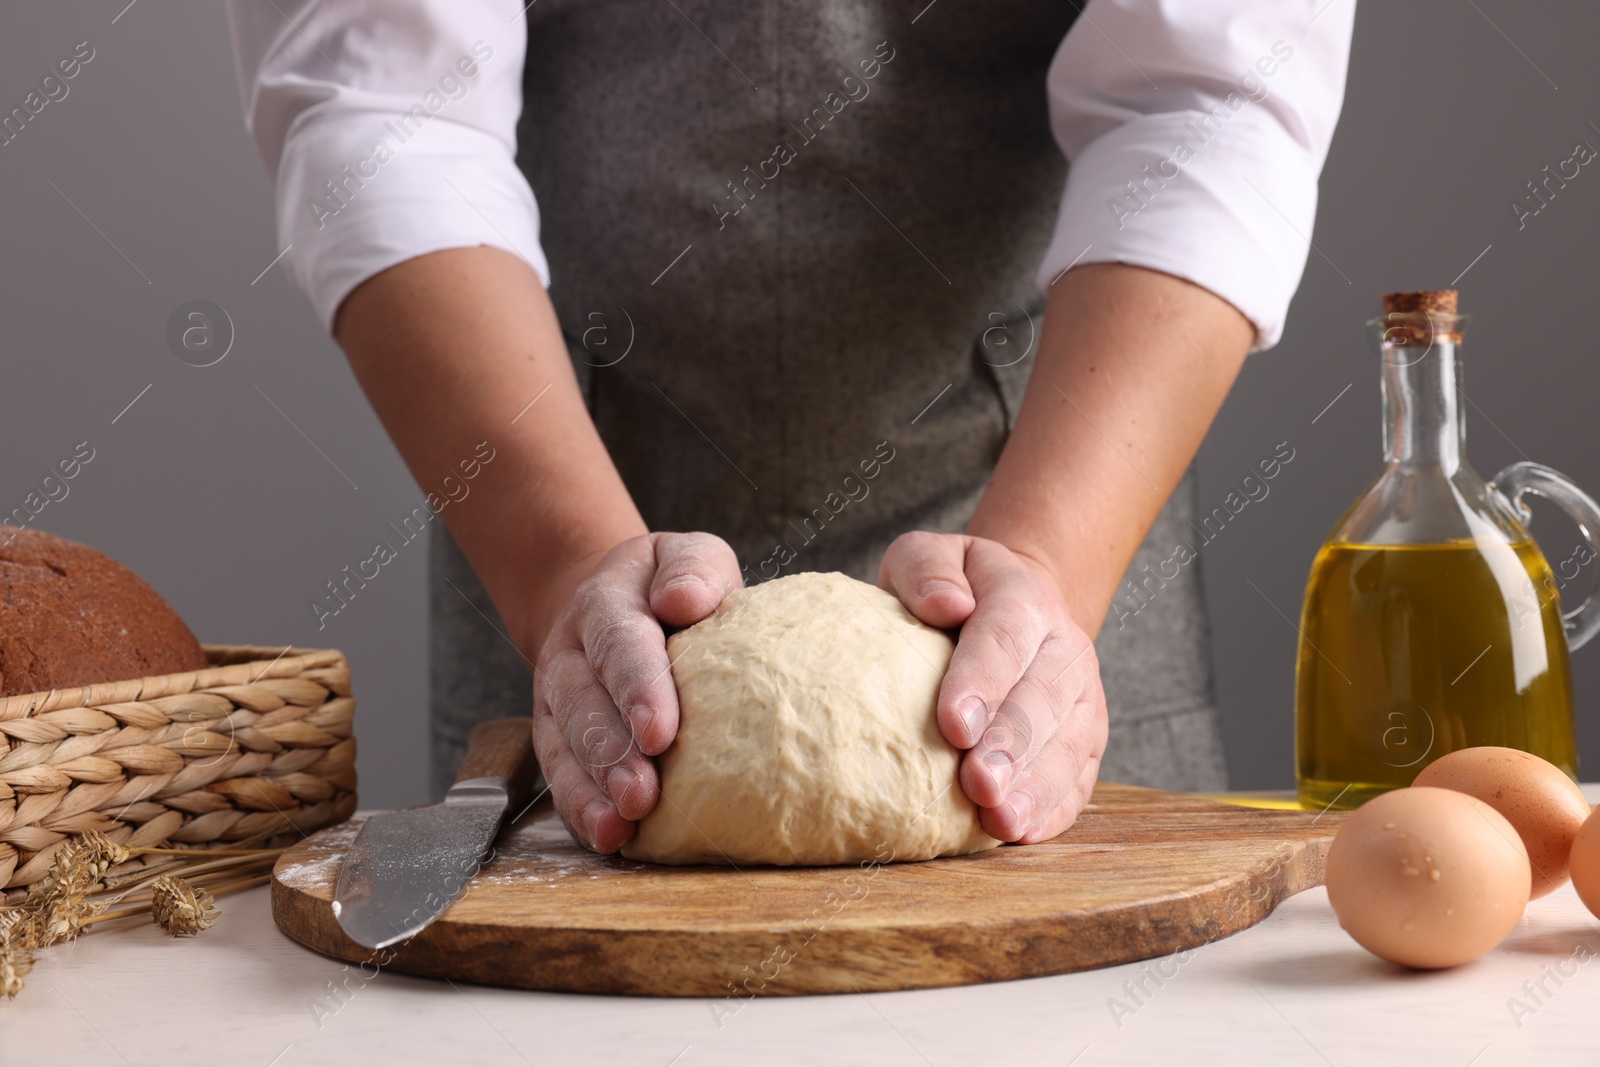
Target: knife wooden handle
x,y
503,748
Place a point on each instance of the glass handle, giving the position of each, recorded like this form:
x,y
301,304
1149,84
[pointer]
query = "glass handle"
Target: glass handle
x,y
1584,620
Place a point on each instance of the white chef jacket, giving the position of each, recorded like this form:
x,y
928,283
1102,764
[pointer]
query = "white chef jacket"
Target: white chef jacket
x,y
1195,129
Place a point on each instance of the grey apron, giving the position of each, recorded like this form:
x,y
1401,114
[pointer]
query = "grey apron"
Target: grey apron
x,y
793,247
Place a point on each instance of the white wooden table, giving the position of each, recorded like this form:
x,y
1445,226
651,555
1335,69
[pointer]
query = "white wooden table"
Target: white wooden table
x,y
1293,990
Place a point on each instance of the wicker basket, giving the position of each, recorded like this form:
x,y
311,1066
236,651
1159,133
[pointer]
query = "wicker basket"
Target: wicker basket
x,y
254,750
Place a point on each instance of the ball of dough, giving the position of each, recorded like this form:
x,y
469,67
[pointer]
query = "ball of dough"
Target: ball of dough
x,y
807,734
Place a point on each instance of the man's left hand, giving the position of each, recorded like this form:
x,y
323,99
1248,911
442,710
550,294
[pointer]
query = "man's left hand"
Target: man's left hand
x,y
1022,696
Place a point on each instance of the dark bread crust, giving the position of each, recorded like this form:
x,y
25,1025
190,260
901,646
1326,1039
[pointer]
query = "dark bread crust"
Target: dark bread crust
x,y
72,616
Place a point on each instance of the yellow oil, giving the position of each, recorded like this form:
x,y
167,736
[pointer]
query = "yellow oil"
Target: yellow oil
x,y
1411,651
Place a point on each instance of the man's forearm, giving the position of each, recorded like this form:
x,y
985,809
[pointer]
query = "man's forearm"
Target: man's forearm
x,y
1132,367
451,349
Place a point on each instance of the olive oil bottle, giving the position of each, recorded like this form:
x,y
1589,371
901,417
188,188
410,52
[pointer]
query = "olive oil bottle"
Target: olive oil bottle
x,y
1432,621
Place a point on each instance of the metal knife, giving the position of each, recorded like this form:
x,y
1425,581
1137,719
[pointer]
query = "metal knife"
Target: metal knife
x,y
407,867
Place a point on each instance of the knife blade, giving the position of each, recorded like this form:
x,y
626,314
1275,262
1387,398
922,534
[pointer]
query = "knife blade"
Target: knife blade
x,y
406,868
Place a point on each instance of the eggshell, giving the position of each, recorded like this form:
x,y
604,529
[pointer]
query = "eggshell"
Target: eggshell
x,y
1428,877
1534,795
1586,863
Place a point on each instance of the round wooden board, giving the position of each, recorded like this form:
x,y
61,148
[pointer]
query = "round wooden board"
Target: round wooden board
x,y
1142,873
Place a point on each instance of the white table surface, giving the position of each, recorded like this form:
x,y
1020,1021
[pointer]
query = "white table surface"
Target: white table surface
x,y
1292,990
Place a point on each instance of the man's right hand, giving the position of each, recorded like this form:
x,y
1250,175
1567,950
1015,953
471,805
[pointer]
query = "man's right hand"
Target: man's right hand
x,y
604,701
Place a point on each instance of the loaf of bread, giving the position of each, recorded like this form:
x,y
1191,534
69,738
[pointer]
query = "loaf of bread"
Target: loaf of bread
x,y
72,616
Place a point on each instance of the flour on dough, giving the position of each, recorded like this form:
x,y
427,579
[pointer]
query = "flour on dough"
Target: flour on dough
x,y
808,734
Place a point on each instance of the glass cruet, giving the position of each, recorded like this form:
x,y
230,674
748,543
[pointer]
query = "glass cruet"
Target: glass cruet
x,y
1432,622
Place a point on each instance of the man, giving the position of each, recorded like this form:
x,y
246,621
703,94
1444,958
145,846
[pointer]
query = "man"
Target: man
x,y
798,251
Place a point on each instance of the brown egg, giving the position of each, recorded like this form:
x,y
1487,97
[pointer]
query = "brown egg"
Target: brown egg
x,y
1427,877
1586,863
1534,795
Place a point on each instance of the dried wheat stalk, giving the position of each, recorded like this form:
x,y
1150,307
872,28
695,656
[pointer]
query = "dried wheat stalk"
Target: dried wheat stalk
x,y
178,889
179,908
19,938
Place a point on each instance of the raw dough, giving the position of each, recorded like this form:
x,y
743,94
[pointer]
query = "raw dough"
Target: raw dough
x,y
808,735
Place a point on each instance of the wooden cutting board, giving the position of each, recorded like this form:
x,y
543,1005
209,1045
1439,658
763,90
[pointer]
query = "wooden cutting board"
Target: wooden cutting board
x,y
1142,873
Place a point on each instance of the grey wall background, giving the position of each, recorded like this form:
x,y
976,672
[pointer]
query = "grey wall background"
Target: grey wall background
x,y
1447,116
239,489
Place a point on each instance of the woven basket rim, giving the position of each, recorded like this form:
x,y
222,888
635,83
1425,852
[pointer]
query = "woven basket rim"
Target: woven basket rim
x,y
255,749
231,665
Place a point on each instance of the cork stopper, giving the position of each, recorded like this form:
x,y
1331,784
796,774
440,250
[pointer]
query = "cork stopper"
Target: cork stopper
x,y
1423,301
1421,317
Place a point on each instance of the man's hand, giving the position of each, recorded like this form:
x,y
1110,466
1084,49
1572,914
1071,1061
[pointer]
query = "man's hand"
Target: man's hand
x,y
604,700
1022,695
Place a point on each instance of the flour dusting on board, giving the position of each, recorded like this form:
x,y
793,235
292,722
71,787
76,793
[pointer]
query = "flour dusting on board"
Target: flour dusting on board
x,y
322,862
537,851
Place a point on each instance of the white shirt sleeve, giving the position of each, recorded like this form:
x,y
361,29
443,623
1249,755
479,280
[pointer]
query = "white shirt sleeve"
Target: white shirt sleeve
x,y
1196,132
390,129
